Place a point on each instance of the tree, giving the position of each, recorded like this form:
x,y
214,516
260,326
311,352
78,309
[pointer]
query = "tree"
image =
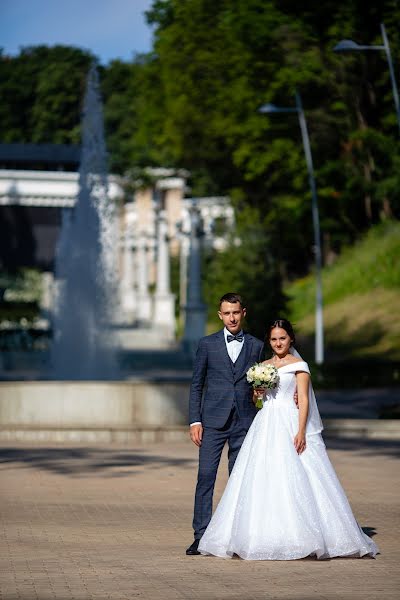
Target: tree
x,y
41,92
247,267
218,62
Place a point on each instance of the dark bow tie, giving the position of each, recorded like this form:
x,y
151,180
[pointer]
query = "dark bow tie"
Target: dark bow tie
x,y
238,337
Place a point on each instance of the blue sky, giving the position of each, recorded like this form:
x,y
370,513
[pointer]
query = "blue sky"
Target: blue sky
x,y
109,28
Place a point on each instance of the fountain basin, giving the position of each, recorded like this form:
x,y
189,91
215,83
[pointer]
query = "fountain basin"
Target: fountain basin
x,y
141,409
144,408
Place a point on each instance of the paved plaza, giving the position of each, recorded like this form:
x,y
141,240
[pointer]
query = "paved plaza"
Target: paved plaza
x,y
112,522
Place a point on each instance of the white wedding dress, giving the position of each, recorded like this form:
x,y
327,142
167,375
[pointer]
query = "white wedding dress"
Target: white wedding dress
x,y
279,505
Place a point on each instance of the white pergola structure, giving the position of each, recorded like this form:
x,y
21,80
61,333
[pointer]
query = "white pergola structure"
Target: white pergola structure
x,y
154,225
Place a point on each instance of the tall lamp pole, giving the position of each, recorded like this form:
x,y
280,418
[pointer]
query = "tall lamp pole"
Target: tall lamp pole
x,y
319,321
350,46
195,309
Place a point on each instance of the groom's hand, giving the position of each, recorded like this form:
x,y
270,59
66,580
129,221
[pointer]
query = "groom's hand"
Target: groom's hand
x,y
196,434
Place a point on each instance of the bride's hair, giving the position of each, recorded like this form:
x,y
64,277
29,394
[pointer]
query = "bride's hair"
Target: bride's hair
x,y
283,324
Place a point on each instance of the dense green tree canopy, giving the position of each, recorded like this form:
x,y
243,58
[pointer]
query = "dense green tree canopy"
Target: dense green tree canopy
x,y
41,92
218,62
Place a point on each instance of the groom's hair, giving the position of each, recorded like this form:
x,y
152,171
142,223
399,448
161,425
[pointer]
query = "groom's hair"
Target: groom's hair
x,y
232,297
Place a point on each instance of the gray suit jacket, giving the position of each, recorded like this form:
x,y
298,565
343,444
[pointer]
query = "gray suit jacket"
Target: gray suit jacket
x,y
218,384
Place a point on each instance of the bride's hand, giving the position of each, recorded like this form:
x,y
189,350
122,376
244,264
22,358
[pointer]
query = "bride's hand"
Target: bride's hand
x,y
258,394
300,442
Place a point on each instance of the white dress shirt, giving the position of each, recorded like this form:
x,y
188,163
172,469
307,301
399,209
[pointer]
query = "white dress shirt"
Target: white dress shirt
x,y
233,348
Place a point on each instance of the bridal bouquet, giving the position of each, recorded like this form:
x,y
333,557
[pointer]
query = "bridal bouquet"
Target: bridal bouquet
x,y
264,376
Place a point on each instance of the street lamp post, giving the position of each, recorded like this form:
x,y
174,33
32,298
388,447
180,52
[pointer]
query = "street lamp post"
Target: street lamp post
x,y
350,46
319,322
195,309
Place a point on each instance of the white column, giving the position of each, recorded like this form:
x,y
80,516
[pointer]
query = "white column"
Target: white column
x,y
128,290
183,267
47,298
164,301
144,303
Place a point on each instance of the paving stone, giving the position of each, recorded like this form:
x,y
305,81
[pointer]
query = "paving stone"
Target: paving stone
x,y
113,522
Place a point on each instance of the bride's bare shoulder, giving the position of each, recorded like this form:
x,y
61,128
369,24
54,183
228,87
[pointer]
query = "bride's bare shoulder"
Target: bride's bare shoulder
x,y
267,362
293,360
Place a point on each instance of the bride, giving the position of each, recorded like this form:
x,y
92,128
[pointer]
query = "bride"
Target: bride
x,y
283,500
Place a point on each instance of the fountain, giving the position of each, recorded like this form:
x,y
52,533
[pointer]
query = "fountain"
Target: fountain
x,y
82,396
86,262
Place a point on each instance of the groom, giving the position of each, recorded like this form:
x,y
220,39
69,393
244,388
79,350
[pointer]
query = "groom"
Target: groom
x,y
225,412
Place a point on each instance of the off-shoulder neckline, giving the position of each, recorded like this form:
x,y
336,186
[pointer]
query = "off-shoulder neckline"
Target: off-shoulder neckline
x,y
297,362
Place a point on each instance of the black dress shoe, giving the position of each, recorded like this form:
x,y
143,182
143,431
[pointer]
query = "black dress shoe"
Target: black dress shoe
x,y
192,550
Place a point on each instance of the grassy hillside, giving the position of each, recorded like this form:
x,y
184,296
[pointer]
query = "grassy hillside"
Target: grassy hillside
x,y
361,300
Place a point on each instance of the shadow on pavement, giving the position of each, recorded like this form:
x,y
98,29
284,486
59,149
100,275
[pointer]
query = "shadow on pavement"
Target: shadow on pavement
x,y
111,462
364,446
84,461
